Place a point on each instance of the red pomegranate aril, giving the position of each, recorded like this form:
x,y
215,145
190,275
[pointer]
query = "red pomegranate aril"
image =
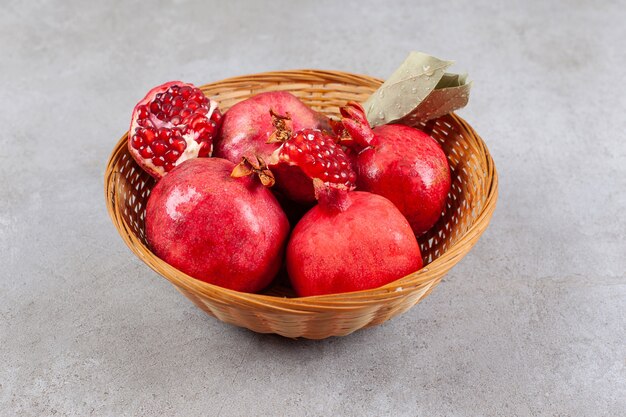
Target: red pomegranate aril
x,y
158,161
167,98
155,107
179,144
206,130
198,96
142,112
136,141
146,152
172,156
149,135
193,105
185,92
168,166
197,122
177,101
205,149
185,113
159,147
165,134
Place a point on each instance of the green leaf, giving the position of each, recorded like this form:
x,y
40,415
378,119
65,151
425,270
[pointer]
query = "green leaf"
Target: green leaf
x,y
418,90
440,101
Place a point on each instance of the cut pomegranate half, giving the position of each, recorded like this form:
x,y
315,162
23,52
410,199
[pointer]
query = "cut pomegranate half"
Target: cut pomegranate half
x,y
305,155
174,122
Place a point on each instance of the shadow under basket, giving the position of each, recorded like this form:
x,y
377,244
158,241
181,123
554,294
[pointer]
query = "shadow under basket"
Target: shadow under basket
x,y
470,205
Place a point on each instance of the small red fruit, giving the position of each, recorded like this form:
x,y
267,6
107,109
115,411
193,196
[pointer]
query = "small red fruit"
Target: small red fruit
x,y
174,122
226,231
401,163
303,155
247,126
350,241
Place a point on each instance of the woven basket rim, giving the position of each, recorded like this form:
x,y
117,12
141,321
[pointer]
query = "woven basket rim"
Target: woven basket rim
x,y
401,287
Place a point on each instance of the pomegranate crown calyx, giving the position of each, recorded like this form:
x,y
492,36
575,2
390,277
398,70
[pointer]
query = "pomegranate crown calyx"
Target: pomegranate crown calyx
x,y
247,167
283,126
356,126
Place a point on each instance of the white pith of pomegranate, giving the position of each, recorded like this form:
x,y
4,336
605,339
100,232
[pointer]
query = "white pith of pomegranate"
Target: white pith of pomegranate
x,y
173,123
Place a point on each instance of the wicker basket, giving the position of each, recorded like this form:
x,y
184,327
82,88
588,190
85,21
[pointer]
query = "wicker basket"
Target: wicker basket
x,y
470,206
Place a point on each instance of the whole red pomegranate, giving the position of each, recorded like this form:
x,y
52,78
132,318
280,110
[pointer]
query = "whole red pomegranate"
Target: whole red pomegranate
x,y
350,241
174,122
401,163
226,231
248,125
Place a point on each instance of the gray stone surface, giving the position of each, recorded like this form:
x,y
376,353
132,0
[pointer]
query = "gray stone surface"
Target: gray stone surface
x,y
531,322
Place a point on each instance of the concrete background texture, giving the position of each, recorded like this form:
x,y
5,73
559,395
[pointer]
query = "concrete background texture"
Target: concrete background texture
x,y
530,323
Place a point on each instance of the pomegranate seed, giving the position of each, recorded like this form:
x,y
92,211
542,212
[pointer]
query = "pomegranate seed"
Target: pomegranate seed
x,y
158,161
159,147
161,116
155,107
205,149
168,166
178,101
165,133
208,130
185,92
150,135
167,98
184,113
178,145
166,107
196,122
142,112
136,141
172,156
175,120
192,105
146,152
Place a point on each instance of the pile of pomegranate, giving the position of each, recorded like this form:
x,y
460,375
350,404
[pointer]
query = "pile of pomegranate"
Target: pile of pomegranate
x,y
270,182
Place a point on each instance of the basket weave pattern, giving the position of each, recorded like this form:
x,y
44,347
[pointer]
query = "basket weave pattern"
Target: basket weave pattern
x,y
471,203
